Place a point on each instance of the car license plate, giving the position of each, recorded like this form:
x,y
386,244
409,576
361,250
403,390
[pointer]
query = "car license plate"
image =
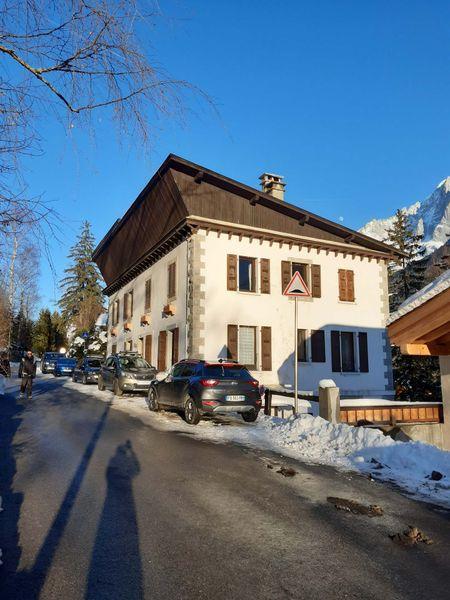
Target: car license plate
x,y
235,398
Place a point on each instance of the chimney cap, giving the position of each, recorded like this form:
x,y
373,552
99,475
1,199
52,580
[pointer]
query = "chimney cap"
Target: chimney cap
x,y
271,177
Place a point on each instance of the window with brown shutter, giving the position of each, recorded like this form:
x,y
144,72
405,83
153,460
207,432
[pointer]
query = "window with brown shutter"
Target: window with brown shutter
x,y
301,343
148,295
162,347
175,345
346,279
171,280
265,275
285,274
232,272
148,349
318,346
316,284
266,348
232,342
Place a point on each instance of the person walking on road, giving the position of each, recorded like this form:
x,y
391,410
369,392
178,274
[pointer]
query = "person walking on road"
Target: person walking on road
x,y
27,372
5,371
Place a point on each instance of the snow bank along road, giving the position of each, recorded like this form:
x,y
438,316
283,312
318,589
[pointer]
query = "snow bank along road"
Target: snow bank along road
x,y
99,504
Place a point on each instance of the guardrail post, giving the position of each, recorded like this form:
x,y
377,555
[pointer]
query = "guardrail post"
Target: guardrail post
x,y
329,401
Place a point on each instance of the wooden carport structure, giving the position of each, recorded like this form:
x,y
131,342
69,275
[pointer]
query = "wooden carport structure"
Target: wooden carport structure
x,y
421,327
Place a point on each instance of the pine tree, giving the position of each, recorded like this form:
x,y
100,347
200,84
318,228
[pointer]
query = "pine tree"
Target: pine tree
x,y
81,301
415,377
42,339
408,276
21,331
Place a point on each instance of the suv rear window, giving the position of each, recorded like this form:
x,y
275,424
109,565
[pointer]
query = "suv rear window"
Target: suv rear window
x,y
94,362
226,372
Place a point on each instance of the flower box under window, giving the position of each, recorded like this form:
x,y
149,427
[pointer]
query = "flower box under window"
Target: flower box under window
x,y
127,326
113,331
169,310
145,320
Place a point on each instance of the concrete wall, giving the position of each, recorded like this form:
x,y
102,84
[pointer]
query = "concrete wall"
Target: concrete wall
x,y
431,433
367,313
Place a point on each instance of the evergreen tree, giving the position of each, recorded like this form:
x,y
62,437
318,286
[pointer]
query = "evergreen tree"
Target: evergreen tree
x,y
409,276
42,339
415,377
59,339
81,301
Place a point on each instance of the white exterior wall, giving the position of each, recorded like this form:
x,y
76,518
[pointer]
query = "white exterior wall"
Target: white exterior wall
x,y
158,273
367,313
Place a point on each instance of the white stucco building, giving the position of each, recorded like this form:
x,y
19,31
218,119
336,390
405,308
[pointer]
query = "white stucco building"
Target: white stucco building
x,y
197,267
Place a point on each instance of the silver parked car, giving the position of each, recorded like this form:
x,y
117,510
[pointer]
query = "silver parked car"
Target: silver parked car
x,y
125,372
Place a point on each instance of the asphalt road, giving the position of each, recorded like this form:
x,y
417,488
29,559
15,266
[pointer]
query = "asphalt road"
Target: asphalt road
x,y
98,505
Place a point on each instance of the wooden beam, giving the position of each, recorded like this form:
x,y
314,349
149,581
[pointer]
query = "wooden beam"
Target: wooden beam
x,y
415,349
303,219
254,200
435,334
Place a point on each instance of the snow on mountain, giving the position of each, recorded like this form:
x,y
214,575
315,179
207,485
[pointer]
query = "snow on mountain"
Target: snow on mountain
x,y
430,218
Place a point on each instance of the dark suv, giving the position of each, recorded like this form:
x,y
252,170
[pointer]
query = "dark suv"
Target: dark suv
x,y
199,387
125,372
87,369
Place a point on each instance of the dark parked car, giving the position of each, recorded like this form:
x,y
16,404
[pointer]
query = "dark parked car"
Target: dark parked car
x,y
125,372
48,361
64,366
87,369
200,387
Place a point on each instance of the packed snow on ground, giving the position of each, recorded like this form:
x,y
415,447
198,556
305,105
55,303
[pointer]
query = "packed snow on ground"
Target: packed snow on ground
x,y
312,439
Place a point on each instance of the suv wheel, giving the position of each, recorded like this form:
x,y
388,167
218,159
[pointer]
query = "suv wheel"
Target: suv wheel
x,y
152,400
117,389
250,417
100,384
191,412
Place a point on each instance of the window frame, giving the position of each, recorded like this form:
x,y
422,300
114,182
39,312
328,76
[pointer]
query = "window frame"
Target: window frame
x,y
308,271
148,307
253,277
255,341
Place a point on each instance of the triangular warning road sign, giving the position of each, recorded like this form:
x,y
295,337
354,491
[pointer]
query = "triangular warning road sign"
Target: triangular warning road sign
x,y
297,287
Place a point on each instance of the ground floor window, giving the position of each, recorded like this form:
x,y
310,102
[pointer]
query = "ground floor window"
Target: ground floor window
x,y
247,346
311,345
349,352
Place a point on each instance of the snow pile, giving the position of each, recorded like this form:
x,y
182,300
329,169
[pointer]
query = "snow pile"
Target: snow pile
x,y
311,439
428,292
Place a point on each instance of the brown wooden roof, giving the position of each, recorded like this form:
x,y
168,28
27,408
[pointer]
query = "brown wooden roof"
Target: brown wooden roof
x,y
181,194
425,330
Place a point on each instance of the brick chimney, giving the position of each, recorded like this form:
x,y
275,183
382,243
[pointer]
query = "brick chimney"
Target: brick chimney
x,y
273,185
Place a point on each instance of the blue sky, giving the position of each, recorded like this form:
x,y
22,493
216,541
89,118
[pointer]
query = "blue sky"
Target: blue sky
x,y
348,100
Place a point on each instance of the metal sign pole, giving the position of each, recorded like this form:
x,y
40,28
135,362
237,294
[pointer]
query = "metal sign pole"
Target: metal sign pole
x,y
295,355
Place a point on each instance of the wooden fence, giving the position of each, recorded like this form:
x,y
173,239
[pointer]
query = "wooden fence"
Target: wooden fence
x,y
430,412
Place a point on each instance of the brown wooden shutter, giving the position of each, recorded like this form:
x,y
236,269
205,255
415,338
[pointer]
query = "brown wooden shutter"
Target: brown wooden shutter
x,y
172,277
148,294
342,276
175,345
266,348
148,349
162,347
125,307
316,286
318,346
285,274
363,353
130,303
301,341
335,352
232,342
232,272
265,275
350,286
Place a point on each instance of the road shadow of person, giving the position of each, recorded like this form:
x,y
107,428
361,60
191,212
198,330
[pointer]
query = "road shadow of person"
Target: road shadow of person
x,y
10,421
115,570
